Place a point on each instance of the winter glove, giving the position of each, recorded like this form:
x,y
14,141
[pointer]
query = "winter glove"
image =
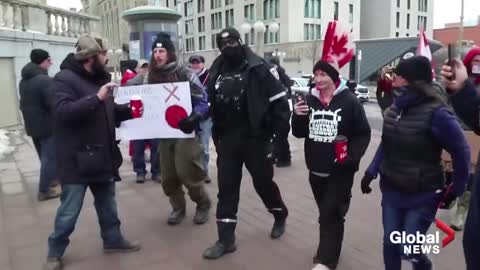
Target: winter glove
x,y
187,125
347,165
365,183
448,197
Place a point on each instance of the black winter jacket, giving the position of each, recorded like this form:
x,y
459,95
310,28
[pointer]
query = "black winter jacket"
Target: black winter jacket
x,y
36,97
85,125
268,109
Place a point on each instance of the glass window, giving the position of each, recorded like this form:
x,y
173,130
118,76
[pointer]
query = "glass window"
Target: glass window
x,y
201,6
318,31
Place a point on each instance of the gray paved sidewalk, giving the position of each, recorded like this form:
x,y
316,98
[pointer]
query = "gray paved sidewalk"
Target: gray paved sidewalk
x,y
25,224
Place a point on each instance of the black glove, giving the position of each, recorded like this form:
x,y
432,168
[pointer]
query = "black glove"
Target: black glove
x,y
448,197
347,165
365,183
188,124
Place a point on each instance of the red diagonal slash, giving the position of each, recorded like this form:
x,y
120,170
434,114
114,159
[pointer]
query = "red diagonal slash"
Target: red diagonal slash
x,y
446,229
172,93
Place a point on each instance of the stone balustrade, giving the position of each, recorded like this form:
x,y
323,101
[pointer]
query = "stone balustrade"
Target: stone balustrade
x,y
33,17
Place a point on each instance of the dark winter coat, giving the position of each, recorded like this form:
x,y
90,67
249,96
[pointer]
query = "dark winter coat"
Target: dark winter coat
x,y
268,109
85,126
467,104
36,97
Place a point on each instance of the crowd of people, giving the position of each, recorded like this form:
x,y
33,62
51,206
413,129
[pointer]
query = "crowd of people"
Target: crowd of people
x,y
241,104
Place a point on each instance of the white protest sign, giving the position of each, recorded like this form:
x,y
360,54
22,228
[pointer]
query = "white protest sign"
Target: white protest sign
x,y
164,105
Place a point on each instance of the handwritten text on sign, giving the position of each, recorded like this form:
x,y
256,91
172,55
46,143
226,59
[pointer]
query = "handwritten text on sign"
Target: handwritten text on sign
x,y
164,105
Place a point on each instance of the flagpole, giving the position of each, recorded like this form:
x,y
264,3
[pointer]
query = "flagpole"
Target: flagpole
x,y
460,45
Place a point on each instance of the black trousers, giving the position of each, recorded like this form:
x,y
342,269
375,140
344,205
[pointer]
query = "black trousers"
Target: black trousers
x,y
332,195
281,149
255,153
38,147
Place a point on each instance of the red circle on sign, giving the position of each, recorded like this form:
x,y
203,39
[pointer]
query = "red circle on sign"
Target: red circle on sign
x,y
175,114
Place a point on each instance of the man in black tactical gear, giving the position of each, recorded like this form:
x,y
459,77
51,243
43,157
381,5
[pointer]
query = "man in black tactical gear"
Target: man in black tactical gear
x,y
248,105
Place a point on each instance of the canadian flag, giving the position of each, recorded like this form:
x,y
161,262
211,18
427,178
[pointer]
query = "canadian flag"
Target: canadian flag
x,y
423,49
337,45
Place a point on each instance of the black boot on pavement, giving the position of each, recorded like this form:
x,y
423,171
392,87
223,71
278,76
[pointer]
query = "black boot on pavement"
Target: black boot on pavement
x,y
278,228
218,250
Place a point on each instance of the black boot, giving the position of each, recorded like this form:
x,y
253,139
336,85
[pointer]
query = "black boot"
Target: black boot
x,y
218,250
176,216
278,228
226,242
279,225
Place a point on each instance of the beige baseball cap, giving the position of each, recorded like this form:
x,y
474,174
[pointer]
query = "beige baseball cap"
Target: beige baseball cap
x,y
141,63
88,46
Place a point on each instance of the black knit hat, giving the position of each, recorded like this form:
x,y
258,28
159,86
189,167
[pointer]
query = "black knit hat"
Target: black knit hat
x,y
416,68
227,33
163,40
331,71
37,56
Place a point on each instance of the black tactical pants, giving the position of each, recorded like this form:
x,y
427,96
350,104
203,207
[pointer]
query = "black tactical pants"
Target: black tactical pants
x,y
256,154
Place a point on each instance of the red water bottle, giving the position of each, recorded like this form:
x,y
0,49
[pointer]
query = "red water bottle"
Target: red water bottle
x,y
136,105
341,153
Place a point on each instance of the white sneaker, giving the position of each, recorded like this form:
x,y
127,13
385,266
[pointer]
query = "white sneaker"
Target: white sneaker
x,y
320,267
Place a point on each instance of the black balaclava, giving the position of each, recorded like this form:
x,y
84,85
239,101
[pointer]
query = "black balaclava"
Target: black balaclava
x,y
234,56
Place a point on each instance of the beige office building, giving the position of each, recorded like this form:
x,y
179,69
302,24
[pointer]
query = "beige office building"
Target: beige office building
x,y
302,25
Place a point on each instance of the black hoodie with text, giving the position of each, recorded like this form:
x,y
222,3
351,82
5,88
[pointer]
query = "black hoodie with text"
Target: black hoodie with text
x,y
343,116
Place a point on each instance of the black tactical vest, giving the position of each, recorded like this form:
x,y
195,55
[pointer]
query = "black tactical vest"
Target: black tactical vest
x,y
412,157
231,113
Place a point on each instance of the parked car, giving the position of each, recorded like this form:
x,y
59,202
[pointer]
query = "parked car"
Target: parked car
x,y
362,93
300,85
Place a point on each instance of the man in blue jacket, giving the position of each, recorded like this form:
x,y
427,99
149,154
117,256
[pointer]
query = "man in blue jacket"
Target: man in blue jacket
x,y
466,102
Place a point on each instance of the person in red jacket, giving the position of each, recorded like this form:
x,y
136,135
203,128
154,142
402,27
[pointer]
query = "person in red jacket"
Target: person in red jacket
x,y
130,73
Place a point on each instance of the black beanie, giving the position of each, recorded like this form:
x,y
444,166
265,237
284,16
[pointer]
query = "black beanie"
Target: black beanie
x,y
327,68
37,56
227,33
163,41
415,68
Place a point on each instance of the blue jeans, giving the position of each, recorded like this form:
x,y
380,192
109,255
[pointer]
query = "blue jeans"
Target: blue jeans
x,y
47,163
138,158
69,210
408,220
204,138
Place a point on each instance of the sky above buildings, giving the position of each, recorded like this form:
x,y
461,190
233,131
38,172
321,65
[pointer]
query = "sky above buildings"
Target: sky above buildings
x,y
445,11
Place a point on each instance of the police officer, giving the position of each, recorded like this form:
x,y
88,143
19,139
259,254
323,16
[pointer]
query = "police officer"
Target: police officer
x,y
281,147
248,105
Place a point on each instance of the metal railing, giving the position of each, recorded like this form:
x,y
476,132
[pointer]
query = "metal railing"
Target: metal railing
x,y
33,17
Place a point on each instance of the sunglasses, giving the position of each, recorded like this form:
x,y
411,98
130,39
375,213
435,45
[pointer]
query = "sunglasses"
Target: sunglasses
x,y
229,42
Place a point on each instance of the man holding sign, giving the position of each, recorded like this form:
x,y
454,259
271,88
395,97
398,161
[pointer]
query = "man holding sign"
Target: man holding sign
x,y
180,152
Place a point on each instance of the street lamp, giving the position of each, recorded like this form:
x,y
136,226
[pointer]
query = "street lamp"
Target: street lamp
x,y
114,53
245,28
260,28
281,55
273,27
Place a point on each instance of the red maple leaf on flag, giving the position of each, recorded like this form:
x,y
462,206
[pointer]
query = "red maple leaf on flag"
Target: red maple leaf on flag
x,y
337,46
